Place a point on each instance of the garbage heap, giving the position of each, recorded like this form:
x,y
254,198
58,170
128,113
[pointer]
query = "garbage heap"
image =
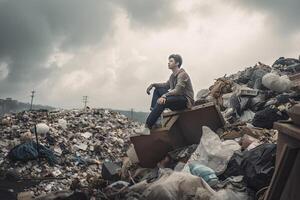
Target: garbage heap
x,y
224,148
260,94
73,144
205,154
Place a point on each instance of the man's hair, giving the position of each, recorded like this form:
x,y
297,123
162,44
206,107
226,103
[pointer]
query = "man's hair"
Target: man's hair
x,y
177,59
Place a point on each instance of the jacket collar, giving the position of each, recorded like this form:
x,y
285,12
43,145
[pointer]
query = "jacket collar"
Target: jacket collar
x,y
178,72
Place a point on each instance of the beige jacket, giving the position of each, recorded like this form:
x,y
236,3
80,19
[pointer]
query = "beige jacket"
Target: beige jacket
x,y
179,84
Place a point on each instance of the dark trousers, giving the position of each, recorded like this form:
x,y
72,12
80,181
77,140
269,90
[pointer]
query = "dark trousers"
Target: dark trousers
x,y
172,102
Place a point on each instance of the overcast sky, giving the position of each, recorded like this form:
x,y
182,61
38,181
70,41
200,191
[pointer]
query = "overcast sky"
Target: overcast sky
x,y
112,50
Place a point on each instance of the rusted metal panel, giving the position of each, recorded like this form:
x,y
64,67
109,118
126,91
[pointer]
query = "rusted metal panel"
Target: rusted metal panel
x,y
152,148
180,128
191,121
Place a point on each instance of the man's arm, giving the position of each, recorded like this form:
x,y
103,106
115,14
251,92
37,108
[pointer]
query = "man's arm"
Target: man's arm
x,y
182,80
165,84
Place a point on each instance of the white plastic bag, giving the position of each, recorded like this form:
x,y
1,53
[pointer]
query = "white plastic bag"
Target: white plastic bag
x,y
42,128
247,116
277,83
228,194
212,152
172,185
202,94
62,123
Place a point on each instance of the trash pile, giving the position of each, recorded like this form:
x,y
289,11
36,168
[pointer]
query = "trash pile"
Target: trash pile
x,y
224,148
260,94
75,144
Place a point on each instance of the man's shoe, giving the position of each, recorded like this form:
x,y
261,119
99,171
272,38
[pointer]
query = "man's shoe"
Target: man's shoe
x,y
156,126
142,131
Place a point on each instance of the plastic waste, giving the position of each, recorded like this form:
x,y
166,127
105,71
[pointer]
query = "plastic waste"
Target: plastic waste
x,y
247,116
239,103
256,165
204,172
28,151
62,123
226,99
173,186
277,83
202,94
229,194
265,118
212,152
42,128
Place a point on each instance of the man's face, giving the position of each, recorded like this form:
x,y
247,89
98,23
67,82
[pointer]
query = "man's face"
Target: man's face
x,y
172,64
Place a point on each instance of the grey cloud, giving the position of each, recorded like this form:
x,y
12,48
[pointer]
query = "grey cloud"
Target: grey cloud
x,y
151,14
282,15
32,29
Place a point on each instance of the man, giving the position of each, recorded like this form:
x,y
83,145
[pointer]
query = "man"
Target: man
x,y
176,94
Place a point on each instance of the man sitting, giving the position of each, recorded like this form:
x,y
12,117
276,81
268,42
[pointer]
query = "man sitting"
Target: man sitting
x,y
176,94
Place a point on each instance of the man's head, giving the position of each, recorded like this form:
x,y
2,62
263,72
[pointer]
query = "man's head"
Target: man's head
x,y
175,60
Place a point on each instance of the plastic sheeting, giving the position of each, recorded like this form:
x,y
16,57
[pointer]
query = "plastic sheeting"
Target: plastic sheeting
x,y
265,118
228,194
257,165
42,129
28,151
277,83
174,186
204,172
212,152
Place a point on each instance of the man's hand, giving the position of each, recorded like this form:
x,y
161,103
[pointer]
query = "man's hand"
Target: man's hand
x,y
161,100
149,89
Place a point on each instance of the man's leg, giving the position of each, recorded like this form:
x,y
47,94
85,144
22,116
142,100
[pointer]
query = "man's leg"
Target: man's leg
x,y
158,92
172,102
154,115
176,102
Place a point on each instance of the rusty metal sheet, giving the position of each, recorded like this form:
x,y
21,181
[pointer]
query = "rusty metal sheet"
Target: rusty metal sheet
x,y
180,128
190,122
152,148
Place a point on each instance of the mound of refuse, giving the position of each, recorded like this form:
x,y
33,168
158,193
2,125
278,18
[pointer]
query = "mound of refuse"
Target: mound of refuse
x,y
75,143
260,94
223,148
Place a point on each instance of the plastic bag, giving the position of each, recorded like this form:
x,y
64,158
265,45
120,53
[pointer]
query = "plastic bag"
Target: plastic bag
x,y
42,129
277,83
247,116
229,194
265,118
202,94
212,152
204,172
256,165
28,151
259,165
62,123
173,186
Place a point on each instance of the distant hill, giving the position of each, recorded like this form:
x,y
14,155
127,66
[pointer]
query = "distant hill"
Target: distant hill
x,y
136,116
10,105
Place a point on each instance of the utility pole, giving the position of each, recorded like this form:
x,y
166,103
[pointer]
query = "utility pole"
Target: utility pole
x,y
85,100
131,113
32,96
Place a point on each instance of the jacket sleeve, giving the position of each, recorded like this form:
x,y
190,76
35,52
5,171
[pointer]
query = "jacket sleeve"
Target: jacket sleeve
x,y
165,84
179,88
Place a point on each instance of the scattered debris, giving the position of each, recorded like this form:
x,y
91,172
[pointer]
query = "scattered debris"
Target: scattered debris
x,y
222,148
79,141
